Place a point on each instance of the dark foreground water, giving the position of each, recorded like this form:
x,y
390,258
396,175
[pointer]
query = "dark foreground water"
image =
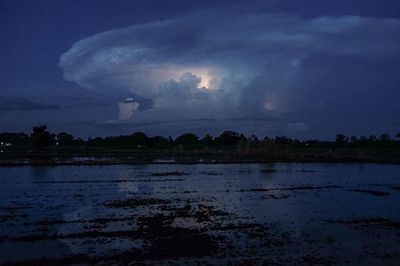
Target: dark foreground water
x,y
289,214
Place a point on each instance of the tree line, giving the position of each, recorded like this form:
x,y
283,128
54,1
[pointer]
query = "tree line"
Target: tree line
x,y
41,138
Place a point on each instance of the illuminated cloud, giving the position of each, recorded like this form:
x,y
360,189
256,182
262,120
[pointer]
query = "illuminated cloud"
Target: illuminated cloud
x,y
228,66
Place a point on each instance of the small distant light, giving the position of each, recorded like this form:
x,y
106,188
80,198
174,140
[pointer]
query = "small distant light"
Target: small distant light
x,y
56,143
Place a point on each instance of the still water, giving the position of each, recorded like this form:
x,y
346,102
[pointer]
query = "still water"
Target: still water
x,y
285,213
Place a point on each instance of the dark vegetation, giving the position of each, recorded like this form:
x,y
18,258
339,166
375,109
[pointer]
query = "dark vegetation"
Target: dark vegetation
x,y
229,144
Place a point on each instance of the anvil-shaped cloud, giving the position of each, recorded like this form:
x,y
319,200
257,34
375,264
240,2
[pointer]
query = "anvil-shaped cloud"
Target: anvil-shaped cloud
x,y
257,66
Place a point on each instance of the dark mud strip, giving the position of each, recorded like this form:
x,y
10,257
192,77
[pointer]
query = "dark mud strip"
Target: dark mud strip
x,y
111,181
6,218
272,196
270,171
15,208
287,189
66,260
211,173
316,260
135,202
371,185
370,192
381,222
183,192
184,244
307,188
87,234
104,220
241,226
175,173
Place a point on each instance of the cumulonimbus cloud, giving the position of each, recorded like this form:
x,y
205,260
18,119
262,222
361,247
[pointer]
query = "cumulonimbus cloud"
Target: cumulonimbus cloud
x,y
256,65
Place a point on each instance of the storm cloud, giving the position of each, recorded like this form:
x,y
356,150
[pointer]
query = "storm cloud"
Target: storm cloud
x,y
301,72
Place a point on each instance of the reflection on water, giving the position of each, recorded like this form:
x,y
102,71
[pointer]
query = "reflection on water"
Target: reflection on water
x,y
40,174
126,185
276,213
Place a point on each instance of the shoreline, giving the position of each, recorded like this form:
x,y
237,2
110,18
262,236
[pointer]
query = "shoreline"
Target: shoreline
x,y
50,163
65,157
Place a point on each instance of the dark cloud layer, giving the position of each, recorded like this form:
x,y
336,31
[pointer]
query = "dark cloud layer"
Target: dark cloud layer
x,y
22,104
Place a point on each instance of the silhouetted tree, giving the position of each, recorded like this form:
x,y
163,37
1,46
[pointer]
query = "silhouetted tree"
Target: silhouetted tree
x,y
227,138
266,139
254,139
187,141
98,141
41,138
159,143
384,137
207,140
65,139
16,139
79,142
341,139
139,140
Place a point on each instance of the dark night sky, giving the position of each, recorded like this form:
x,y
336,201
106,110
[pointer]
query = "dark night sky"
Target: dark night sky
x,y
307,69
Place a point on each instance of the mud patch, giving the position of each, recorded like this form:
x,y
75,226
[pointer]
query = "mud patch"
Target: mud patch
x,y
316,260
288,188
15,208
380,222
166,240
370,192
211,173
109,181
6,218
268,171
79,235
174,173
307,188
201,213
135,202
103,220
274,196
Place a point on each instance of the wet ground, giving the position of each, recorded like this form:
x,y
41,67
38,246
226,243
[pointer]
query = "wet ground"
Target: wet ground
x,y
243,214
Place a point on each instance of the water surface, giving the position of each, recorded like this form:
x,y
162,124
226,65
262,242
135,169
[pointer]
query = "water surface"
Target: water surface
x,y
174,213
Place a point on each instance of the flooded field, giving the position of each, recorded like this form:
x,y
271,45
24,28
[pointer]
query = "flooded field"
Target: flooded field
x,y
273,214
